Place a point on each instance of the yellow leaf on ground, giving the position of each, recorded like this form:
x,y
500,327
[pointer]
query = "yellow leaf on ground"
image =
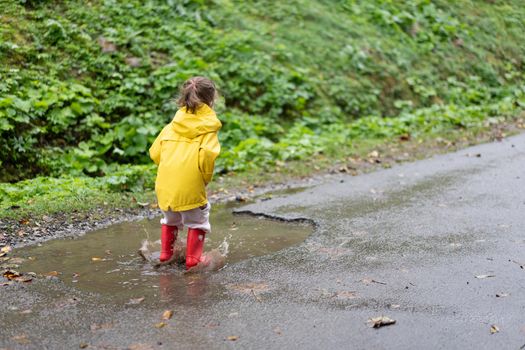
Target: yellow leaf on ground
x,y
159,325
232,337
166,315
5,250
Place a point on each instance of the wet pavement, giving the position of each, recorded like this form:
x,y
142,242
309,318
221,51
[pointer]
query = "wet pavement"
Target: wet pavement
x,y
438,245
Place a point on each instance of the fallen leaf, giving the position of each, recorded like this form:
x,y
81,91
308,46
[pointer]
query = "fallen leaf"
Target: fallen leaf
x,y
159,325
370,280
484,276
140,346
373,154
240,198
5,250
494,329
232,337
136,301
380,321
83,345
52,273
24,278
346,294
166,315
11,274
95,258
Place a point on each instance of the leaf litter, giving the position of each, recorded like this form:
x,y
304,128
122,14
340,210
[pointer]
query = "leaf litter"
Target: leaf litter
x,y
370,281
380,321
12,275
136,301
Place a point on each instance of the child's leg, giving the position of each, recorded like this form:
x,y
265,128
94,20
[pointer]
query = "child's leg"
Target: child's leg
x,y
171,222
198,224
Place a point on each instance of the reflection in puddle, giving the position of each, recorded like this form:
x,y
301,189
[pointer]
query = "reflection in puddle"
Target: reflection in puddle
x,y
106,261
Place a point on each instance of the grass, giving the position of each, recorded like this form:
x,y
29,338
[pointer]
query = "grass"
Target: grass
x,y
353,159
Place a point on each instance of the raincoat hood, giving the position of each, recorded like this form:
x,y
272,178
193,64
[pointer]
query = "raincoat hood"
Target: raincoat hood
x,y
191,125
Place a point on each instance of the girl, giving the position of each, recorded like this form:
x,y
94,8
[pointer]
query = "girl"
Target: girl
x,y
185,152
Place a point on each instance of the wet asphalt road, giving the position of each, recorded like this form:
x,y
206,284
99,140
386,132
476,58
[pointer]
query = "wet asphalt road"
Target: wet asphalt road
x,y
406,242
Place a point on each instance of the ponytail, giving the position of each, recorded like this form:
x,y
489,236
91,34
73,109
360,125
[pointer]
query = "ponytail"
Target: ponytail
x,y
195,92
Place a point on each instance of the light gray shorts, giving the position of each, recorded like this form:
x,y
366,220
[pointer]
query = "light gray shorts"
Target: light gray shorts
x,y
198,218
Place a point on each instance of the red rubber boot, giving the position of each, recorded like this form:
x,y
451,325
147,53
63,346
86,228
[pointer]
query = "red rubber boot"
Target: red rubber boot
x,y
168,236
194,247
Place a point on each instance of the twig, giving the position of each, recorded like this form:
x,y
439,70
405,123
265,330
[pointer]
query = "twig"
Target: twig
x,y
256,296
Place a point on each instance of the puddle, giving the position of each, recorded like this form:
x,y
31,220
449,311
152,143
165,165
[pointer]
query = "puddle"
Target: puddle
x,y
106,261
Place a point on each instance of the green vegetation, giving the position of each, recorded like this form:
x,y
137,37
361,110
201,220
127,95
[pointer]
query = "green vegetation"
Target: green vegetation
x,y
86,86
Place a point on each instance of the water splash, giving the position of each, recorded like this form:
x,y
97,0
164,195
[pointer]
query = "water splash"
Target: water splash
x,y
224,247
212,260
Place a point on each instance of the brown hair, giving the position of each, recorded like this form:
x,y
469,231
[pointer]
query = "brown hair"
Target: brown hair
x,y
196,91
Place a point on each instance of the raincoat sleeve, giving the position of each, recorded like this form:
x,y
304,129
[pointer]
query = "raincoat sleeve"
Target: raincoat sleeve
x,y
208,152
154,150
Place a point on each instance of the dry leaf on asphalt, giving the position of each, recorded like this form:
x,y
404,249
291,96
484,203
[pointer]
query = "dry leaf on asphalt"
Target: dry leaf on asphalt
x,y
370,280
346,294
140,346
159,325
166,315
494,329
484,276
232,337
136,301
380,321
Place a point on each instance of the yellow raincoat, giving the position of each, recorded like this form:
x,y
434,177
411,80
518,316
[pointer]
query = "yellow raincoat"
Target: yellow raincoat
x,y
185,152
